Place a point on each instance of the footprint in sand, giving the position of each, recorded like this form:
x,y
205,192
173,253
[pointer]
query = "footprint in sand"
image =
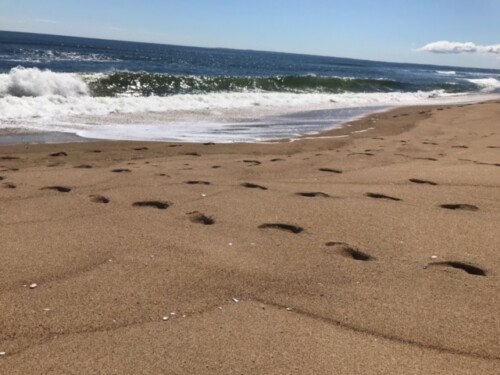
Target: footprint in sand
x,y
60,189
197,182
459,206
8,157
350,251
99,199
430,159
469,268
121,170
84,166
61,153
284,227
249,185
330,170
313,194
382,196
140,148
483,163
419,181
9,185
161,205
361,153
252,163
199,218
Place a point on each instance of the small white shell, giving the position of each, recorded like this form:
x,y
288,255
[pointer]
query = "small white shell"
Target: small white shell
x,y
33,285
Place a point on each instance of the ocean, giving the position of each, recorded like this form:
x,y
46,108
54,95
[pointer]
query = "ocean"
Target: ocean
x,y
102,89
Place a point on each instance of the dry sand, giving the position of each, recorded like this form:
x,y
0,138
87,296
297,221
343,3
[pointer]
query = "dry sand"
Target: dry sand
x,y
381,280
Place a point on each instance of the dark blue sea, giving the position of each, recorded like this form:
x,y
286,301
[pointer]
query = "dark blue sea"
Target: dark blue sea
x,y
125,90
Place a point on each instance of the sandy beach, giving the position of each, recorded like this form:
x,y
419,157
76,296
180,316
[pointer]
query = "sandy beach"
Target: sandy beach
x,y
371,249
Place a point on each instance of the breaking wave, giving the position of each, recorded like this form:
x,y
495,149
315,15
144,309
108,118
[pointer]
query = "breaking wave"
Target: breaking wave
x,y
487,84
145,84
446,72
42,100
34,82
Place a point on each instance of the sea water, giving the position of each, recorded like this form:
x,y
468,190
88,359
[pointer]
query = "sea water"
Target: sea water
x,y
138,91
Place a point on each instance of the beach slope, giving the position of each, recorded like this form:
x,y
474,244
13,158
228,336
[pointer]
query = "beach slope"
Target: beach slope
x,y
372,249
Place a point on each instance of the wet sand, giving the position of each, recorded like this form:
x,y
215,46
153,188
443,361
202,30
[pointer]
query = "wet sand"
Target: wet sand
x,y
373,249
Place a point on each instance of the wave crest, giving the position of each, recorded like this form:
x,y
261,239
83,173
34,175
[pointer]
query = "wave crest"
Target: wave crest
x,y
147,84
34,82
487,84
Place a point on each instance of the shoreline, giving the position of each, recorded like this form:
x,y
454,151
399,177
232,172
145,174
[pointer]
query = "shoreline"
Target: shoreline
x,y
372,248
356,128
17,136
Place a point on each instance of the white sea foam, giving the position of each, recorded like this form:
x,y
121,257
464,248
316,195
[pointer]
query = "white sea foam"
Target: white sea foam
x,y
446,72
37,100
34,82
487,84
45,108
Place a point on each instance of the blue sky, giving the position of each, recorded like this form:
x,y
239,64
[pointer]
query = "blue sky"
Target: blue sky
x,y
386,30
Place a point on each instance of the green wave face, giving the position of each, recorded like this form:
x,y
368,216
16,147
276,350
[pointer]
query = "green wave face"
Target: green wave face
x,y
147,84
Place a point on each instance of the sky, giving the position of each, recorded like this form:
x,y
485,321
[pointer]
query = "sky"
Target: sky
x,y
442,32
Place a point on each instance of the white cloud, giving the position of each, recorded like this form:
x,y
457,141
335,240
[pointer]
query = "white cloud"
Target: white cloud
x,y
445,46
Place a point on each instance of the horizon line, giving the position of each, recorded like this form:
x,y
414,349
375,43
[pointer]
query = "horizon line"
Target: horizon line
x,y
248,49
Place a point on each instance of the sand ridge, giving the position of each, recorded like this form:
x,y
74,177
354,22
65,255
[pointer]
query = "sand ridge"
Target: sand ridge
x,y
369,249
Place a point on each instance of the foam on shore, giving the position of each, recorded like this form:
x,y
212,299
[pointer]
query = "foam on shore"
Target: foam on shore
x,y
32,100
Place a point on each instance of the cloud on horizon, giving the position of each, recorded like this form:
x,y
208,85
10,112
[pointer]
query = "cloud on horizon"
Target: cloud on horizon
x,y
445,46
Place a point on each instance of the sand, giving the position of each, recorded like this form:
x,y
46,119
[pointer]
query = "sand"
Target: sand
x,y
318,256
